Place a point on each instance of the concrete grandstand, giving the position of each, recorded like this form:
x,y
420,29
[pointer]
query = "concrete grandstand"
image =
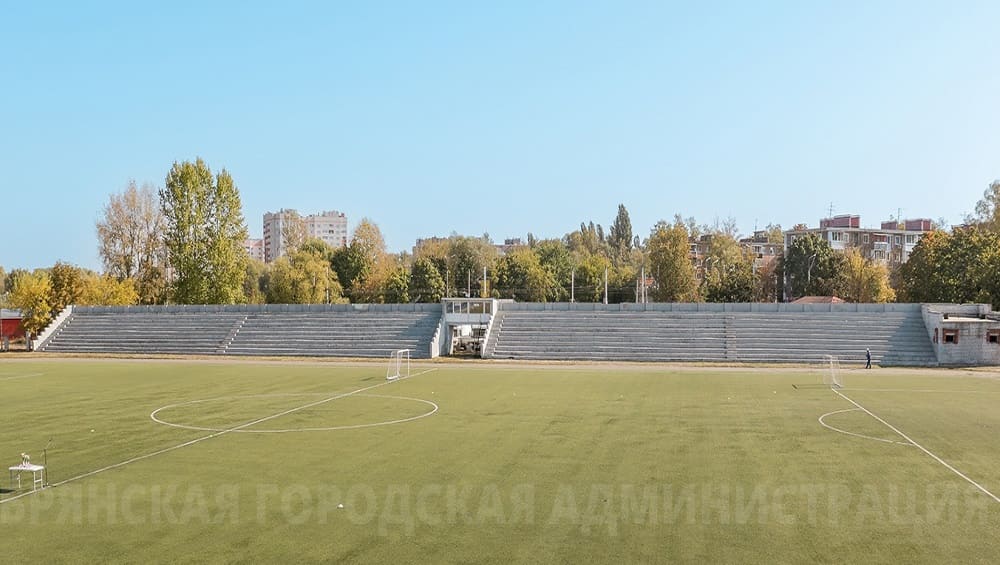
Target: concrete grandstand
x,y
896,334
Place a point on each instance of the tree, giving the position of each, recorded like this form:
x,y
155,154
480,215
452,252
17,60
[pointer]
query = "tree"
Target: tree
x,y
293,230
68,284
521,276
556,258
670,263
426,284
227,232
865,280
397,287
130,240
958,267
106,290
812,267
303,277
363,267
774,233
768,282
11,279
30,294
204,231
620,238
590,278
731,280
255,282
988,208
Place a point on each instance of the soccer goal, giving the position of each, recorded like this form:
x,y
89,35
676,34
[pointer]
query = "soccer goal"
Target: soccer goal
x,y
831,371
399,365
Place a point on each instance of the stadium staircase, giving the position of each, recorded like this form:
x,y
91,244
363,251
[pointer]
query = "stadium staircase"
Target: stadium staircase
x,y
896,336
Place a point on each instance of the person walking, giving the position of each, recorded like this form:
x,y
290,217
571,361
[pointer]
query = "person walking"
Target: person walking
x,y
868,358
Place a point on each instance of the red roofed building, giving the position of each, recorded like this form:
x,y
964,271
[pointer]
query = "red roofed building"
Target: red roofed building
x,y
10,324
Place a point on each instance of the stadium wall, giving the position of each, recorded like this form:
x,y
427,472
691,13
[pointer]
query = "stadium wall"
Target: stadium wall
x,y
705,307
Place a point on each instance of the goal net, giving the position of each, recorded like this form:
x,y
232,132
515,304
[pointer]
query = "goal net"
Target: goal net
x,y
831,371
399,365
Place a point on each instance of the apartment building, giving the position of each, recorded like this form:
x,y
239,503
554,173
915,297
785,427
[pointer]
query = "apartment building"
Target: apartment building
x,y
330,226
891,243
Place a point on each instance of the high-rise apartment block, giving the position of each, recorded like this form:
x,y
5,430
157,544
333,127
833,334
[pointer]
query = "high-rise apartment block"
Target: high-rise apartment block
x,y
330,227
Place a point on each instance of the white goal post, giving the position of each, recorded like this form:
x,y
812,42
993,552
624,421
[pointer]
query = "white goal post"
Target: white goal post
x,y
831,371
399,365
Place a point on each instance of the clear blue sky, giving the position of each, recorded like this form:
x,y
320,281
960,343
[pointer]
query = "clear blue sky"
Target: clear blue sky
x,y
500,117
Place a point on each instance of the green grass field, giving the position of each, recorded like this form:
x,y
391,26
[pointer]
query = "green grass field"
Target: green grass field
x,y
519,463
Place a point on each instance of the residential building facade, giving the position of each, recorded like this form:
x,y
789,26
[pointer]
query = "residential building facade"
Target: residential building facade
x,y
890,244
255,248
331,227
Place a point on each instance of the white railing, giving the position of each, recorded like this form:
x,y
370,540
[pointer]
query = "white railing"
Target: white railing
x,y
50,330
436,340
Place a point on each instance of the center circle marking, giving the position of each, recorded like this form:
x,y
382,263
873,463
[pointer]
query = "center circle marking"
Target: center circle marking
x,y
153,414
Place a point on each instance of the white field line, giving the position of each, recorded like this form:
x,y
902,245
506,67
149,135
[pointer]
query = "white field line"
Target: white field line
x,y
21,376
920,447
209,436
153,415
829,427
940,391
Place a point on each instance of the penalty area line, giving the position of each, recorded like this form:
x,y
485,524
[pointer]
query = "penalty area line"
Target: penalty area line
x,y
207,437
920,447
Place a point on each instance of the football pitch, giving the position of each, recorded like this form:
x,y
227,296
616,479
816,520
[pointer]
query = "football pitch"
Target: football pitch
x,y
164,461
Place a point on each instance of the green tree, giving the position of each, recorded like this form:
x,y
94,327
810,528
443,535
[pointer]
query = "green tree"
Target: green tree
x,y
227,232
363,267
521,276
731,280
255,282
620,236
426,283
303,277
204,232
958,267
590,278
31,294
11,279
397,287
68,284
812,267
670,264
557,259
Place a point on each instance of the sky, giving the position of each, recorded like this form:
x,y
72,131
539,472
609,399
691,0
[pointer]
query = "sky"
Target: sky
x,y
432,118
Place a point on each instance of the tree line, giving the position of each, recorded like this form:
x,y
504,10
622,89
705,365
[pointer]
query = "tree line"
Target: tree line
x,y
184,244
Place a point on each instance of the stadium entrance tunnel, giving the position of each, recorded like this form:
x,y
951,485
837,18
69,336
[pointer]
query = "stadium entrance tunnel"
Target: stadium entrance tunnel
x,y
467,324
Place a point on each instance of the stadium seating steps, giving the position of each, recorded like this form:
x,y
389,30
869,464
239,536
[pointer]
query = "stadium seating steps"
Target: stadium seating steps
x,y
334,334
895,338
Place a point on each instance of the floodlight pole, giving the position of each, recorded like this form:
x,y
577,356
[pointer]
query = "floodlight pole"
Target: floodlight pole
x,y
572,286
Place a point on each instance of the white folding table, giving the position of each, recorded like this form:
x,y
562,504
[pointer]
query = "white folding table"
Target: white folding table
x,y
37,475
